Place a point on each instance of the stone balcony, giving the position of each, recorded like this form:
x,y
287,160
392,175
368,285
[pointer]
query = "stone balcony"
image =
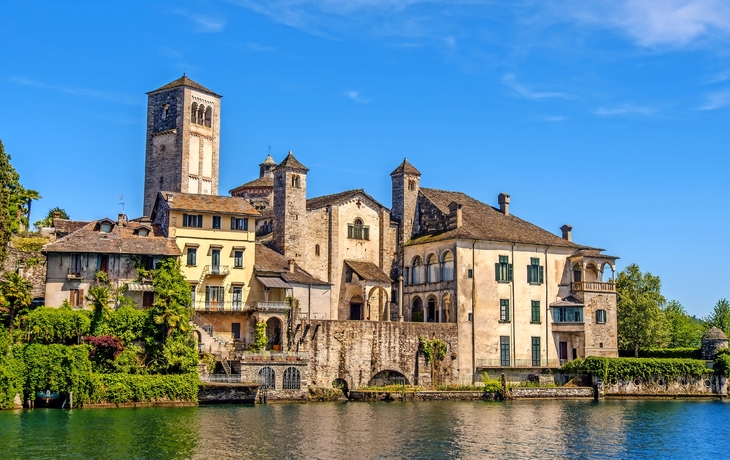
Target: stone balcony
x,y
593,286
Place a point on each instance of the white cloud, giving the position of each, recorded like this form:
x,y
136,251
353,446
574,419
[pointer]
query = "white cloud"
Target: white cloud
x,y
77,91
716,101
717,78
357,97
203,23
652,23
625,110
510,81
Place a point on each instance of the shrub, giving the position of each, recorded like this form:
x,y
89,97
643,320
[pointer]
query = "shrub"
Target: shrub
x,y
119,388
56,325
491,385
104,350
628,368
58,368
680,353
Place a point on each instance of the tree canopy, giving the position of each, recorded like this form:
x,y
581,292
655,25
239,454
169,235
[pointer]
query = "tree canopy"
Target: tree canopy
x,y
14,201
641,322
48,220
720,316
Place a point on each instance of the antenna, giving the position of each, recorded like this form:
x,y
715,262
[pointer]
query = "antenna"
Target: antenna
x,y
121,199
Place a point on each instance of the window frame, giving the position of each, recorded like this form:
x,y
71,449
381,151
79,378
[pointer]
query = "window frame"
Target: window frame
x,y
193,220
503,271
216,222
600,316
536,352
535,271
237,260
535,312
504,310
504,351
357,230
239,224
192,253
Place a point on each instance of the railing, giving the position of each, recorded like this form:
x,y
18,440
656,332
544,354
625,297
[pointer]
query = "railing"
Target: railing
x,y
208,328
221,378
520,363
595,286
74,274
271,306
221,306
217,270
273,356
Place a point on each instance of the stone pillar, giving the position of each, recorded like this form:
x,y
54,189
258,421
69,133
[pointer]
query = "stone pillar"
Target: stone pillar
x,y
400,299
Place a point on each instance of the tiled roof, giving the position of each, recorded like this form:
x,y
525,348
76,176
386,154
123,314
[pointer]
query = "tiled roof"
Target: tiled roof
x,y
121,240
261,182
328,200
569,301
268,260
64,227
483,222
209,203
268,161
185,81
291,162
407,168
592,253
368,271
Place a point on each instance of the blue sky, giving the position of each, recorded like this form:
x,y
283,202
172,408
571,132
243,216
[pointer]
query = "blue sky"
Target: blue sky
x,y
608,115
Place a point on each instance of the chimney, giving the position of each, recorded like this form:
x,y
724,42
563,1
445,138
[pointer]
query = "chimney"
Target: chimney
x,y
172,228
291,265
503,203
121,219
567,229
455,220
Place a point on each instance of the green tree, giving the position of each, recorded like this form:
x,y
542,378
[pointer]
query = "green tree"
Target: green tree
x,y
101,300
48,220
9,186
260,339
15,293
684,330
641,321
720,316
171,308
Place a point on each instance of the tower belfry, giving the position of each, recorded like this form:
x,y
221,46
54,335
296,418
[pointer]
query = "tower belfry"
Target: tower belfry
x,y
183,136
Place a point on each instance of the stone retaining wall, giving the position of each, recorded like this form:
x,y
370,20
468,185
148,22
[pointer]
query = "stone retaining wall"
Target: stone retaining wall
x,y
227,393
710,385
370,395
551,393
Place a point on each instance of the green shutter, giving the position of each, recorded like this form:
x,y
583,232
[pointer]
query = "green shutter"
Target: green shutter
x,y
233,223
245,224
366,233
200,221
540,271
350,231
509,274
529,273
496,271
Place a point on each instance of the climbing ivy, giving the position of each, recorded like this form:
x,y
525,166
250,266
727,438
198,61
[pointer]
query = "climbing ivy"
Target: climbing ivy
x,y
629,368
56,325
434,349
260,339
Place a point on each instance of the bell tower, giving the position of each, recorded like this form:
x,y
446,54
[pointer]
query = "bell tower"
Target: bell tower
x,y
183,133
290,208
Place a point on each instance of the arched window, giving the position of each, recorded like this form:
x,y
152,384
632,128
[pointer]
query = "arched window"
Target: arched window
x,y
201,112
316,249
417,271
292,379
577,273
591,272
267,378
417,310
194,113
358,231
447,266
432,269
411,184
295,181
607,273
143,232
208,116
432,316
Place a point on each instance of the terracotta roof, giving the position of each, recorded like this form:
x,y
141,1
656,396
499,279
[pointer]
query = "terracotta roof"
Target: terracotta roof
x,y
569,301
291,162
261,182
368,271
407,168
592,253
329,200
268,260
64,227
714,333
185,81
121,240
209,203
483,222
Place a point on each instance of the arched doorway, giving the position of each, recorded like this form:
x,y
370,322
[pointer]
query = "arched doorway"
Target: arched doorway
x,y
432,316
378,304
273,334
356,307
388,377
417,310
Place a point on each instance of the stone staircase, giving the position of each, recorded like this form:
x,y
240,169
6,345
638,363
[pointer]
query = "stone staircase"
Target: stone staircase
x,y
210,341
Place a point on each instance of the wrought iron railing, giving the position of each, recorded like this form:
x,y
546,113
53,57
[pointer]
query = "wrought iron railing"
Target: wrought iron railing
x,y
271,306
216,270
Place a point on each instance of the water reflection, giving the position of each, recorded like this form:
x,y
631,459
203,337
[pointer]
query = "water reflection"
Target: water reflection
x,y
522,429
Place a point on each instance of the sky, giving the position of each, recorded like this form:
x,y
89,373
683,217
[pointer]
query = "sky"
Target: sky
x,y
609,115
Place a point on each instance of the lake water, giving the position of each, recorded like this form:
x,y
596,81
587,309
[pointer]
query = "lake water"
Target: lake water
x,y
520,429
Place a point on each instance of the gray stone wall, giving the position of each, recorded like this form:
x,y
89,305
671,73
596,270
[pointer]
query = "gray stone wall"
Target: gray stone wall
x,y
601,339
317,235
358,350
31,265
552,393
290,214
709,385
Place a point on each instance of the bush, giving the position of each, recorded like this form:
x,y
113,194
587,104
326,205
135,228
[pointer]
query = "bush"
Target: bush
x,y
104,351
58,368
120,388
679,353
629,368
130,324
48,325
491,385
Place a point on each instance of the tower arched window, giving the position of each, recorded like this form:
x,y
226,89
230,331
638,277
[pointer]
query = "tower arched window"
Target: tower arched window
x,y
417,271
194,113
208,116
316,249
295,181
201,112
411,184
358,230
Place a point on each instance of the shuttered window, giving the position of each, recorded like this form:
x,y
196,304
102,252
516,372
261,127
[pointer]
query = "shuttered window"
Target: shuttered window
x,y
504,358
535,271
535,311
536,351
503,269
193,220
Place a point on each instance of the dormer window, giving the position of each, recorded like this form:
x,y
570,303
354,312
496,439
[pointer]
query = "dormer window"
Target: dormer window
x,y
143,232
105,227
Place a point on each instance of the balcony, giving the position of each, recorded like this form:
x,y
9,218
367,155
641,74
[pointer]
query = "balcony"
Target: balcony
x,y
568,326
74,274
593,286
221,306
217,270
274,307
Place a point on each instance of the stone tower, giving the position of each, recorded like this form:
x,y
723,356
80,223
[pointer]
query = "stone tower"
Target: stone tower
x,y
405,184
267,167
290,208
183,132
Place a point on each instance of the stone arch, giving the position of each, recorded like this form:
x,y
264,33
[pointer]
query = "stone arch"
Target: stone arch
x,y
417,270
432,269
447,266
273,333
577,273
292,379
432,312
417,310
591,272
378,302
607,272
208,116
267,378
341,384
448,315
194,113
388,377
201,112
357,307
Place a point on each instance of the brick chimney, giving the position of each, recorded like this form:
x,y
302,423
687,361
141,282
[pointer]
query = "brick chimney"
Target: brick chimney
x,y
291,265
121,220
567,230
504,203
455,219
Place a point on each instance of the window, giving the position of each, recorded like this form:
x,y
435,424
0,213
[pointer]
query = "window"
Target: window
x,y
192,295
503,269
76,297
504,351
470,317
503,310
447,266
143,232
316,249
470,273
568,315
417,271
208,116
102,263
411,184
535,311
76,265
600,316
148,298
193,220
295,181
165,111
213,297
239,224
217,222
358,231
105,227
292,379
194,112
237,300
534,271
237,259
432,269
267,378
192,256
536,351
